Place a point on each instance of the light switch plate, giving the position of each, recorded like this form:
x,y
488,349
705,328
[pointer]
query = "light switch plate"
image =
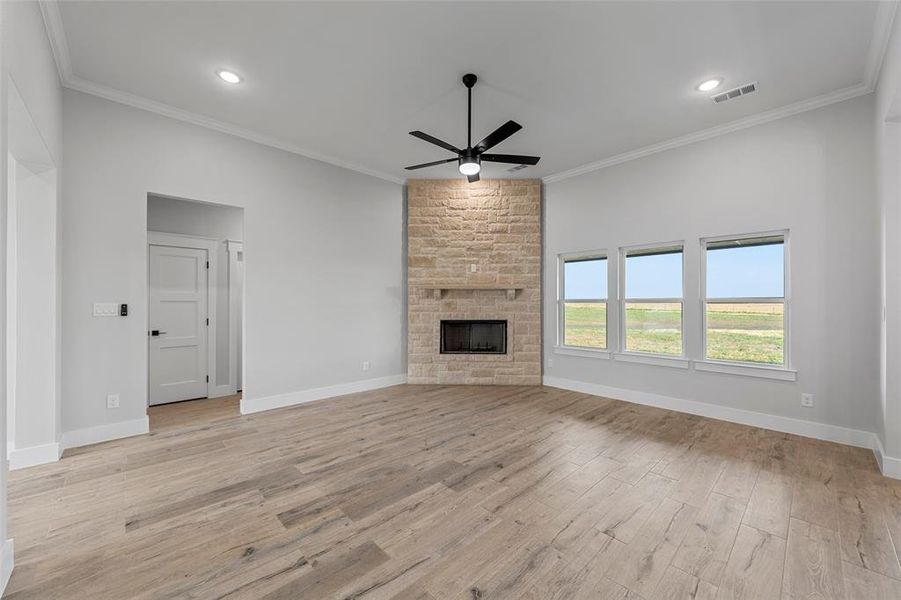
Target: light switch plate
x,y
106,309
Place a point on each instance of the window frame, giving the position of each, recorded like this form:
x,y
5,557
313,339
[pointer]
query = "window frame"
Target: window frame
x,y
562,259
786,364
624,300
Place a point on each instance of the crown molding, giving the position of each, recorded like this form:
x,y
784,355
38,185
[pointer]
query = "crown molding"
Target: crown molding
x,y
706,134
89,87
885,16
60,47
882,32
882,27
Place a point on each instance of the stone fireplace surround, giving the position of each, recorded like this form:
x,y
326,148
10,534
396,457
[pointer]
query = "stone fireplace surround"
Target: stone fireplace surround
x,y
494,224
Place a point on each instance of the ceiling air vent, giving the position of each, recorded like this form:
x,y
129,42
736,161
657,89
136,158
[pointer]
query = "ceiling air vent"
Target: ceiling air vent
x,y
516,168
742,90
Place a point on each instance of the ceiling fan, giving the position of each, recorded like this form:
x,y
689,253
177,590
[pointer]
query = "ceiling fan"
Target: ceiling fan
x,y
470,160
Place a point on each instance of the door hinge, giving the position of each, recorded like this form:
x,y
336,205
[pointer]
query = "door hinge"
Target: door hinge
x,y
207,378
207,264
208,322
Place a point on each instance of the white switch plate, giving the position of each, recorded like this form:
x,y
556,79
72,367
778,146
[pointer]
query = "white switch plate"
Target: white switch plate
x,y
112,401
106,309
473,268
366,365
807,400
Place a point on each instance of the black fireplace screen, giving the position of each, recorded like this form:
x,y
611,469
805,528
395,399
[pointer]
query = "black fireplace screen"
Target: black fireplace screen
x,y
473,337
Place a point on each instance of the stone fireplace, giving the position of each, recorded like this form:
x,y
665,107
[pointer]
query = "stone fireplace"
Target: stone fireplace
x,y
474,281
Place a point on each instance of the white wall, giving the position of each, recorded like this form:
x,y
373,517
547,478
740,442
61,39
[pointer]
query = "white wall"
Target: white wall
x,y
323,257
222,223
34,417
888,166
811,174
26,58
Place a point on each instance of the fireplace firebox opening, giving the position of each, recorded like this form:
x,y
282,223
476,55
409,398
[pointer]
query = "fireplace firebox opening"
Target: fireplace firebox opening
x,y
473,337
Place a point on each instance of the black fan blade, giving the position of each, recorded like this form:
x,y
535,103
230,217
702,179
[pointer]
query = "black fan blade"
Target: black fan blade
x,y
472,178
513,159
498,135
431,164
433,140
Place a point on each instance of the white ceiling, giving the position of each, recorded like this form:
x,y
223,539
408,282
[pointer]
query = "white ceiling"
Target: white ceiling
x,y
588,81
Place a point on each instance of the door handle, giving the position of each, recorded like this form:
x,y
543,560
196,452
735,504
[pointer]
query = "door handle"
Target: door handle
x,y
156,332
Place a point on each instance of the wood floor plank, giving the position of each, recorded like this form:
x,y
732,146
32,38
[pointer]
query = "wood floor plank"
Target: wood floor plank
x,y
706,547
755,566
813,567
644,562
434,492
769,508
678,585
863,583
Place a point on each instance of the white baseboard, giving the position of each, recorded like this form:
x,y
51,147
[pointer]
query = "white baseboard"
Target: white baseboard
x,y
105,433
7,561
20,458
820,431
219,391
253,405
889,465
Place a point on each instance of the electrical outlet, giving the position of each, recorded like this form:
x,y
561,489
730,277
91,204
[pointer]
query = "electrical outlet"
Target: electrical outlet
x,y
112,401
550,362
366,365
473,268
807,400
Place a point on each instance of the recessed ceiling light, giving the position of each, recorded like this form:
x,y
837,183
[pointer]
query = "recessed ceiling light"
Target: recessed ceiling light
x,y
228,76
709,85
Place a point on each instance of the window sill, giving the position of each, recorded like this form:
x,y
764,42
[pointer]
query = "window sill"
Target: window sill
x,y
583,352
674,362
764,372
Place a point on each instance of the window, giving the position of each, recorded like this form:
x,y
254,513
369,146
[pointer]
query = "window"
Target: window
x,y
744,318
652,302
582,303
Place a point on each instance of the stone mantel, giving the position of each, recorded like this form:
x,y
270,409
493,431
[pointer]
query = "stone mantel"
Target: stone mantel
x,y
438,290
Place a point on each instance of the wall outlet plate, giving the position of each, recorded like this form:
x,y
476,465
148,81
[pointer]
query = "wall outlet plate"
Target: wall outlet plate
x,y
106,309
112,401
366,365
807,400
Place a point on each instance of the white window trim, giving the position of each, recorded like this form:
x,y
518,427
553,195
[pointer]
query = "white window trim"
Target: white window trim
x,y
647,357
561,347
761,371
582,351
736,367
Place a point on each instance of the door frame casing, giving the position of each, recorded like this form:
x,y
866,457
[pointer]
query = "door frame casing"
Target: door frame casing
x,y
173,240
235,320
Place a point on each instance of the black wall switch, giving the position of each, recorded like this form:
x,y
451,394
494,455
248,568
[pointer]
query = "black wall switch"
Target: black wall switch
x,y
123,310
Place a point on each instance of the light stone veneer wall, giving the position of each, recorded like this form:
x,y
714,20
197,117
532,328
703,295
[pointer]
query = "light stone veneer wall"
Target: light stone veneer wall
x,y
496,225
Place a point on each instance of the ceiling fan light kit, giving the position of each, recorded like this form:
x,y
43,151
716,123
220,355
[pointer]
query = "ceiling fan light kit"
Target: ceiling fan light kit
x,y
469,160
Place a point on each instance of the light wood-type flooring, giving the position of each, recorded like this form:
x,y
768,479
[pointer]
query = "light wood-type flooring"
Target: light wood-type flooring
x,y
428,492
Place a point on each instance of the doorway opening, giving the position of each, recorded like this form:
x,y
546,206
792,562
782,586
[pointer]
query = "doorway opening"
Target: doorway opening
x,y
31,293
195,291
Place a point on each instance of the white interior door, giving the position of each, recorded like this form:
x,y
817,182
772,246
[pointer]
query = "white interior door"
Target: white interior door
x,y
178,324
